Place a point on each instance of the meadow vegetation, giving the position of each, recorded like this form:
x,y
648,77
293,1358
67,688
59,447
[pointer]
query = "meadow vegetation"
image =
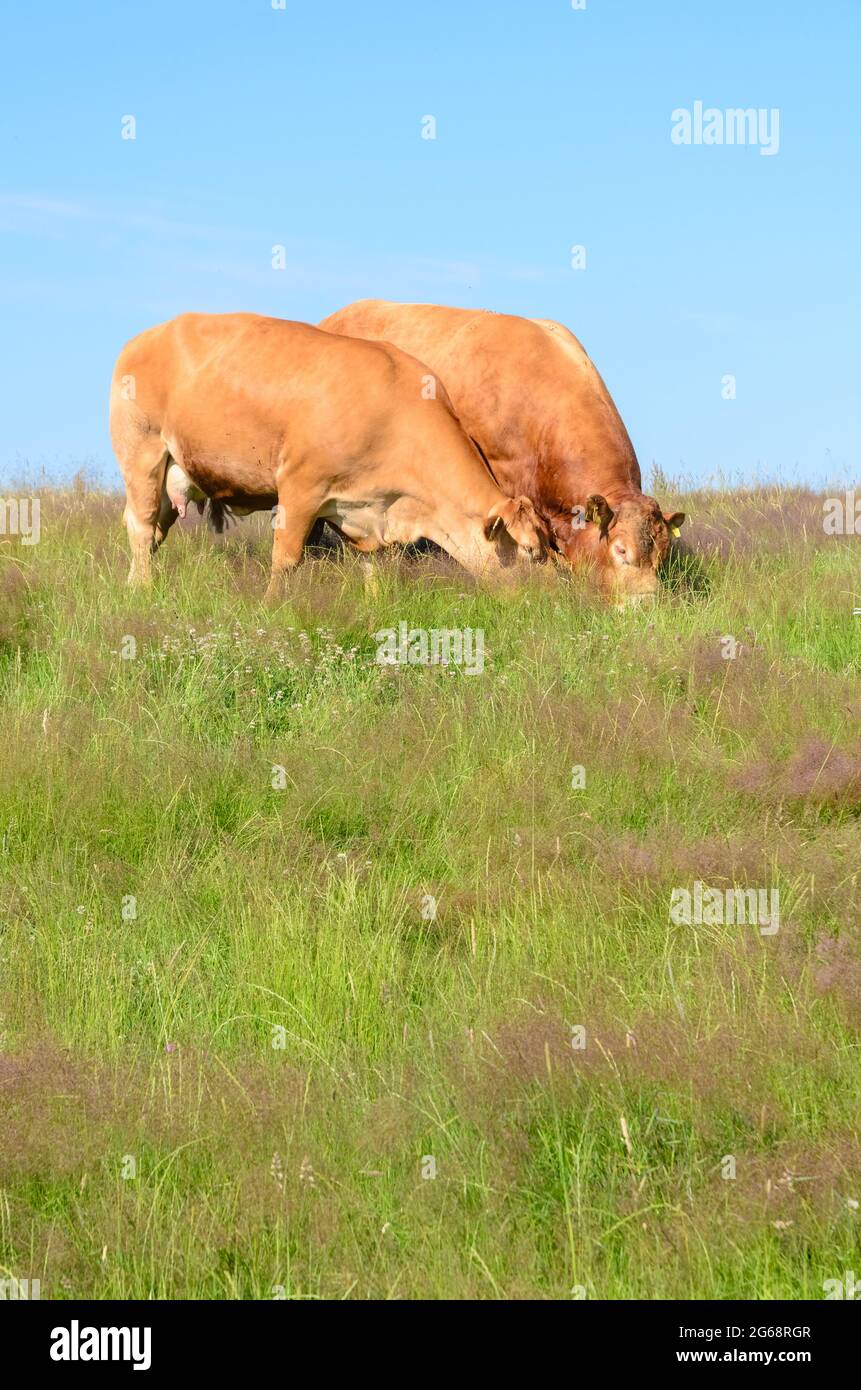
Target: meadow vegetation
x,y
244,1056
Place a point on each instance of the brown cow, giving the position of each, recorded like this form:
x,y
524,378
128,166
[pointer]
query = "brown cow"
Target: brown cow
x,y
526,391
251,412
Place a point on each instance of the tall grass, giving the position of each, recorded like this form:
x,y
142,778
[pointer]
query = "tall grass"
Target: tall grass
x,y
297,951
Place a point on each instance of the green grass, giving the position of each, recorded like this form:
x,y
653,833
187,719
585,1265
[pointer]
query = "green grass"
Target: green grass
x,y
237,992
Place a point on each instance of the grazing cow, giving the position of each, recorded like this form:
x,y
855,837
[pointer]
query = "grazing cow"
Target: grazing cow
x,y
253,413
527,393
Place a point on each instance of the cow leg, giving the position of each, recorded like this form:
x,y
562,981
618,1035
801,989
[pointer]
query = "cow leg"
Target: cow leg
x,y
167,515
144,469
294,519
317,538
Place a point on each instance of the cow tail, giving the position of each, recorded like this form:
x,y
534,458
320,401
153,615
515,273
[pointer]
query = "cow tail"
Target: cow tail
x,y
218,516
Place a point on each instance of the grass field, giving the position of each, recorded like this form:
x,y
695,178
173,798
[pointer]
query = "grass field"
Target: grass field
x,y
242,1055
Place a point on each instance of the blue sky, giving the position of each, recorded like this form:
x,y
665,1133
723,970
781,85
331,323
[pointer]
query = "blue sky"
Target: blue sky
x,y
301,127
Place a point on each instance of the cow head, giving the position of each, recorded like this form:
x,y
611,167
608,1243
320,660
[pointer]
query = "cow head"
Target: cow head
x,y
627,544
515,529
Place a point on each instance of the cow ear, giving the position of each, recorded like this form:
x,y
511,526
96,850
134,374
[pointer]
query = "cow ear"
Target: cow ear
x,y
674,522
598,509
499,517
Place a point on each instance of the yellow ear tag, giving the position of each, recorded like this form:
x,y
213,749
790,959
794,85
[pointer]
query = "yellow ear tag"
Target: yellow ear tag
x,y
675,530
